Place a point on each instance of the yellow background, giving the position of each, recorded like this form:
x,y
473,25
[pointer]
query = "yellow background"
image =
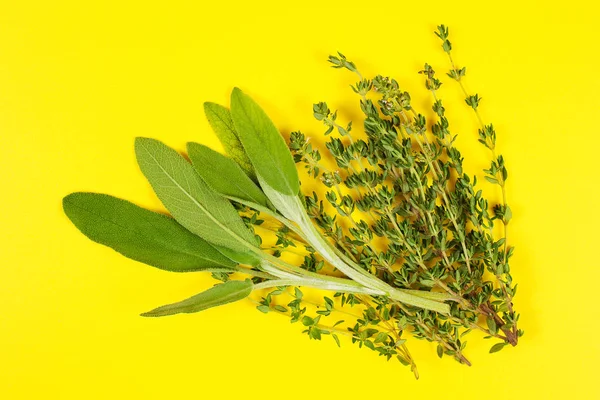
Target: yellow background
x,y
78,82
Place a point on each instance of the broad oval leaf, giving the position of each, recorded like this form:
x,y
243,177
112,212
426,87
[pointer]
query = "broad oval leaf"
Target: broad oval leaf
x,y
189,199
223,293
141,235
220,121
264,144
224,175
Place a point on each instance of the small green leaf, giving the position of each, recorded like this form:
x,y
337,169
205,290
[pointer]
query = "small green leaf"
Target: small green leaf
x,y
491,179
440,351
497,347
263,309
141,235
315,333
492,325
381,337
220,120
223,293
507,214
189,199
224,175
337,340
402,360
264,145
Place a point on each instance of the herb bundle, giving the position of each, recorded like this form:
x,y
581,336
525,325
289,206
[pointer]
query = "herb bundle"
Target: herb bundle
x,y
400,236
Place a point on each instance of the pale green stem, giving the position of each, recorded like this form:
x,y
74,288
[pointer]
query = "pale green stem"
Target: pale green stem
x,y
270,213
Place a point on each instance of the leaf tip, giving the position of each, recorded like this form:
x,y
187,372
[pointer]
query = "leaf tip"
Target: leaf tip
x,y
68,198
191,147
148,314
70,201
236,93
212,108
157,312
140,141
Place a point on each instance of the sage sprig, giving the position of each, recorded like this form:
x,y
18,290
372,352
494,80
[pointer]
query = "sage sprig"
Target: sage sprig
x,y
400,236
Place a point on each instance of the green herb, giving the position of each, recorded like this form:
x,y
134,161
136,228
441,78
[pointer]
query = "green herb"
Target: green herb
x,y
264,145
189,199
220,120
142,235
217,296
213,166
398,217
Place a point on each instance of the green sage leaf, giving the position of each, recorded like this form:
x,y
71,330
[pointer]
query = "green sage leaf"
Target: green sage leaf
x,y
221,294
189,199
220,121
224,175
141,235
240,257
264,145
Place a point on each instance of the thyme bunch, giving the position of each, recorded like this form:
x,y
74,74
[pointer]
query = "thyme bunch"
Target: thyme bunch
x,y
407,183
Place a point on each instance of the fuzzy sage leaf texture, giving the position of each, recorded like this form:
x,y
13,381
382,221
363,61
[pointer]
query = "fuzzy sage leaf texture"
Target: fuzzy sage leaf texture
x,y
220,120
241,257
223,175
218,295
142,235
189,199
264,145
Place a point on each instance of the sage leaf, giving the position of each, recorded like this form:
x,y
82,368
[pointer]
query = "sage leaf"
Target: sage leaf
x,y
264,145
140,234
220,121
289,206
224,175
218,295
189,199
240,257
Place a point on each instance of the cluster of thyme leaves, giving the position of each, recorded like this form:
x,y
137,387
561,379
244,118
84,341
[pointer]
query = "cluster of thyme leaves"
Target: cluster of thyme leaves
x,y
404,186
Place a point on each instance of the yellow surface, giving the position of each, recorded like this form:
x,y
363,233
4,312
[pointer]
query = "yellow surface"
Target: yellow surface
x,y
78,82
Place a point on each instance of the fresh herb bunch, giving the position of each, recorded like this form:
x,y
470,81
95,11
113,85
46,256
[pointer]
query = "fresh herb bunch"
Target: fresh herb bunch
x,y
400,236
